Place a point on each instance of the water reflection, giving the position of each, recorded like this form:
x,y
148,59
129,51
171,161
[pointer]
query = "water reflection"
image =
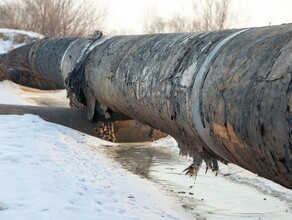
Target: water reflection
x,y
139,159
207,197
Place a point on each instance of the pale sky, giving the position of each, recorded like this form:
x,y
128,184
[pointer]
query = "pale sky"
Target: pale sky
x,y
130,14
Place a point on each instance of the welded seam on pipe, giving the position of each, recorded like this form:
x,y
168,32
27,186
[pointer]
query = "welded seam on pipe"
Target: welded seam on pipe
x,y
198,86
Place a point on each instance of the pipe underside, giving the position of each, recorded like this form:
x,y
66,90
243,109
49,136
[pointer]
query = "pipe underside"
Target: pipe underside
x,y
222,95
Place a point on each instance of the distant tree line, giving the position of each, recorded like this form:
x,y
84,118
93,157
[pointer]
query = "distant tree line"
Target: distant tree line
x,y
208,15
52,17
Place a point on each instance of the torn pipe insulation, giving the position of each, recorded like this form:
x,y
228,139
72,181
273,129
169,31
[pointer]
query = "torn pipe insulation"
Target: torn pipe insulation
x,y
224,95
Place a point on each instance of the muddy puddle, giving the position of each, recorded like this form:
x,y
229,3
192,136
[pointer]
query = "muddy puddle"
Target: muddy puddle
x,y
207,196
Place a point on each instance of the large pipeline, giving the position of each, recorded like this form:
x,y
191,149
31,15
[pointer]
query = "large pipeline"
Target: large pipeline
x,y
222,95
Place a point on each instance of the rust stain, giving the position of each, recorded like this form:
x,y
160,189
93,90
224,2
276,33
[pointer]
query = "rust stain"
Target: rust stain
x,y
227,133
230,140
233,137
220,130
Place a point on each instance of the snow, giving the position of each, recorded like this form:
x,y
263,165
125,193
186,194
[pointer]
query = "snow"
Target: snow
x,y
8,43
240,175
167,142
9,94
63,174
12,93
48,171
13,32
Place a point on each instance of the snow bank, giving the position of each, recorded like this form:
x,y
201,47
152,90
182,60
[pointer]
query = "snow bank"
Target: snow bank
x,y
49,171
11,38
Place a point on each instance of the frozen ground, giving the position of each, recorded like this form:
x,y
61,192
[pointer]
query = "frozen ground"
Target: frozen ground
x,y
48,171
